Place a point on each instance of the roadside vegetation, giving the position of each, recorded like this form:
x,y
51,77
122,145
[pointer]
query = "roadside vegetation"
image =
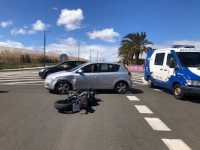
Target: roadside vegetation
x,y
10,59
132,46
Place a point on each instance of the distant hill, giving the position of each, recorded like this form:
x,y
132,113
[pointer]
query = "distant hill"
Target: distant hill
x,y
37,52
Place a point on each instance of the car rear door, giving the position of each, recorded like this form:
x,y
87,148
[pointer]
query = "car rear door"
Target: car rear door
x,y
106,76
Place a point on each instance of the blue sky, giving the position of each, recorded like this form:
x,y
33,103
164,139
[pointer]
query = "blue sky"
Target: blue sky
x,y
97,25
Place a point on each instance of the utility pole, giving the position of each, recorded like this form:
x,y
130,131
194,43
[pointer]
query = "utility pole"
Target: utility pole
x,y
97,55
44,48
90,55
78,51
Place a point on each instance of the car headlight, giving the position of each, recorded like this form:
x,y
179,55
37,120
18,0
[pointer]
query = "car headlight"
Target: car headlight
x,y
193,82
41,70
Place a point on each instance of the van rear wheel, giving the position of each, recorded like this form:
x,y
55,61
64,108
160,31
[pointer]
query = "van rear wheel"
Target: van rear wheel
x,y
178,92
150,84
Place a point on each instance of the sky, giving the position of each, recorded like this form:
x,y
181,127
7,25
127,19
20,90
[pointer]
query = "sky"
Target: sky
x,y
97,25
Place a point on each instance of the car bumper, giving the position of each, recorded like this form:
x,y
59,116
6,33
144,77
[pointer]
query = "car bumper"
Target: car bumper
x,y
41,74
191,90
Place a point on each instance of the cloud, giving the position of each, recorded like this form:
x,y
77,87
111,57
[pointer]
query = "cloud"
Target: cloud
x,y
25,30
70,19
107,34
39,26
5,24
13,44
70,47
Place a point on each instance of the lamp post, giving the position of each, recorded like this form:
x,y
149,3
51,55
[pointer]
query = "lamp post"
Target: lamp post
x,y
44,48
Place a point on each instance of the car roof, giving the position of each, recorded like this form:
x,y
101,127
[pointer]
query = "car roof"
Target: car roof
x,y
102,63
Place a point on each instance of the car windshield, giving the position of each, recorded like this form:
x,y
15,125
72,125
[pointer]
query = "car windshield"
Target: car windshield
x,y
189,59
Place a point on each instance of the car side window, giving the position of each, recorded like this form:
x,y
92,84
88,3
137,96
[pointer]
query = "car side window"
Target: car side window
x,y
159,59
65,65
104,68
90,68
113,68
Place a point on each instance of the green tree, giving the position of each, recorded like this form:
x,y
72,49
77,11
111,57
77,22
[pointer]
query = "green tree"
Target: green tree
x,y
132,45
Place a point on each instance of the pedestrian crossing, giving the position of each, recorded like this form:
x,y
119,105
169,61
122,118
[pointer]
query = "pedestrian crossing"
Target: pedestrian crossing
x,y
31,77
20,78
138,78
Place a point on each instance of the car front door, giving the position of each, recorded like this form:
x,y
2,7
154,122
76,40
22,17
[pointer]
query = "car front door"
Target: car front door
x,y
87,78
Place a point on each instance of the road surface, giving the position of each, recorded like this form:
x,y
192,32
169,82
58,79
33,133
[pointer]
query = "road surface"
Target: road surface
x,y
143,119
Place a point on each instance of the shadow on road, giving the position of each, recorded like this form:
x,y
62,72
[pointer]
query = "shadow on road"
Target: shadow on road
x,y
190,98
193,98
130,91
4,91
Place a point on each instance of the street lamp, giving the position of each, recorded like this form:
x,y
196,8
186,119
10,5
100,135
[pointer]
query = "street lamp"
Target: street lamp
x,y
44,48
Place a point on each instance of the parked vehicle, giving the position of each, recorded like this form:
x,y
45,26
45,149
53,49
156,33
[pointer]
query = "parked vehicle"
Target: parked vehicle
x,y
65,66
90,75
176,69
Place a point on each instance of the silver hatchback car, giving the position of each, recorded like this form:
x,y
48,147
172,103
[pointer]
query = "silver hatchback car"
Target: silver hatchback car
x,y
90,76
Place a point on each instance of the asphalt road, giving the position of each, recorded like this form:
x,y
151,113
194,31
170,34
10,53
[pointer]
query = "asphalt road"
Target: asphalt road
x,y
146,120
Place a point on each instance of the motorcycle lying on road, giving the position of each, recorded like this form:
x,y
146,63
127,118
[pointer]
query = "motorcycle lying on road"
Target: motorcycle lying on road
x,y
76,101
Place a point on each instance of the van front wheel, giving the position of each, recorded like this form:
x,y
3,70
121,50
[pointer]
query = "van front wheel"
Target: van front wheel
x,y
178,92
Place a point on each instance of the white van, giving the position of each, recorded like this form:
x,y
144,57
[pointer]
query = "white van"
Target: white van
x,y
176,69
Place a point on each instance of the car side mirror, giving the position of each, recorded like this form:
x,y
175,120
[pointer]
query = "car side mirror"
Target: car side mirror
x,y
172,63
79,71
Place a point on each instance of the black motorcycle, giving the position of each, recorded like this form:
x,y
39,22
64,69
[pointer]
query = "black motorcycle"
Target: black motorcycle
x,y
76,101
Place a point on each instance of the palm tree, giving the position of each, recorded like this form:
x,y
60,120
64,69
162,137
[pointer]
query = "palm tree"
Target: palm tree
x,y
132,45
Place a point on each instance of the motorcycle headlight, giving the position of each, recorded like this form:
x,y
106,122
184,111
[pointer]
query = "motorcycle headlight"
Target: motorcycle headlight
x,y
193,82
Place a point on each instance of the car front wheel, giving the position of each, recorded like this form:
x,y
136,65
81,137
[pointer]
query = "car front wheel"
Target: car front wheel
x,y
121,87
62,87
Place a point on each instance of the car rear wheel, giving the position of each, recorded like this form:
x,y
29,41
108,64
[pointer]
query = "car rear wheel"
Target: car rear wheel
x,y
178,92
121,87
63,87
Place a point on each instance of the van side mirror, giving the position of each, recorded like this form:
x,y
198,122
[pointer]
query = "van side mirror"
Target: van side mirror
x,y
172,63
80,71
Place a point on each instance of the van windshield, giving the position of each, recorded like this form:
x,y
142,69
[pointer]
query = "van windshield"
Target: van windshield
x,y
189,59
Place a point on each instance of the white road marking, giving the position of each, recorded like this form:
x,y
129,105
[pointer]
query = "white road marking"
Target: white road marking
x,y
157,124
133,98
143,109
176,144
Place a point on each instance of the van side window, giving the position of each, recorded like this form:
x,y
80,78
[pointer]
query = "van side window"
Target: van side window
x,y
169,57
159,59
